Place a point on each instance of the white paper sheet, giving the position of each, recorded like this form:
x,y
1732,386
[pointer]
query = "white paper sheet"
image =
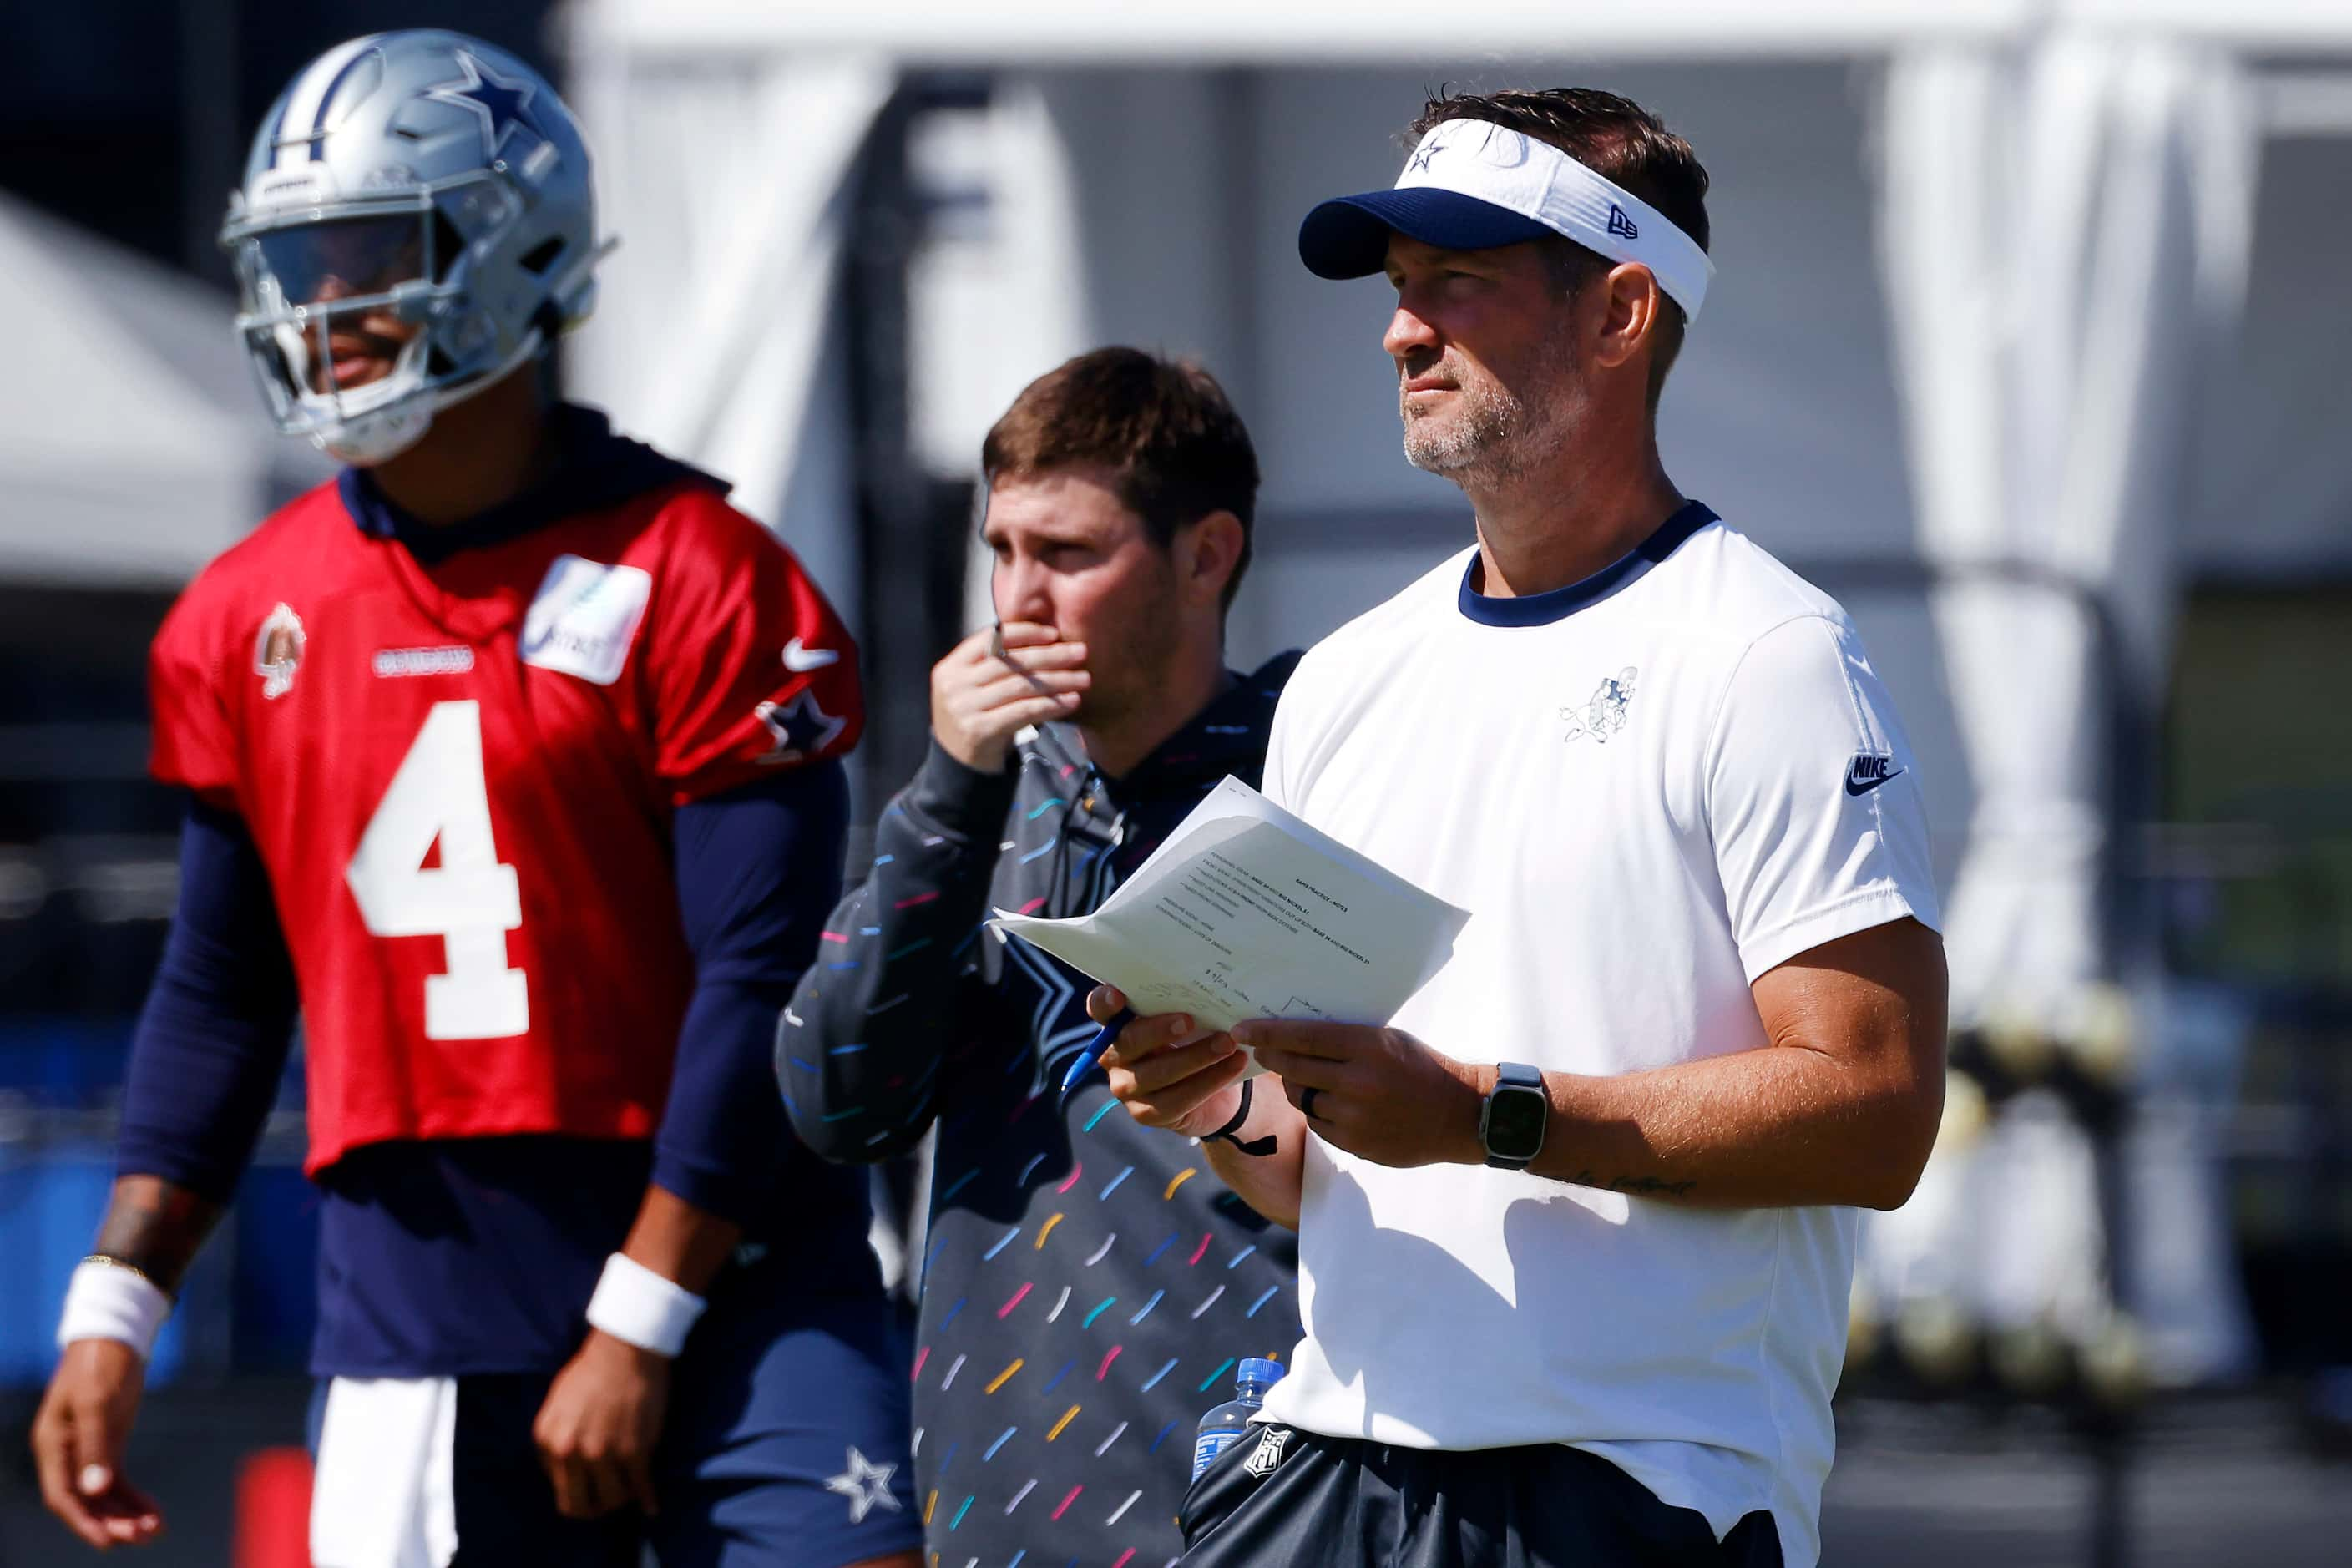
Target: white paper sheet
x,y
1245,911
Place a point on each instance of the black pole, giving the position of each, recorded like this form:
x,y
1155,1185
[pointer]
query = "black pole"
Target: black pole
x,y
2130,938
873,292
912,524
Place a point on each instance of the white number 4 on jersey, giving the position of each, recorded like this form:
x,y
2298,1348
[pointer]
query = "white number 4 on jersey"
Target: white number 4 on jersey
x,y
468,901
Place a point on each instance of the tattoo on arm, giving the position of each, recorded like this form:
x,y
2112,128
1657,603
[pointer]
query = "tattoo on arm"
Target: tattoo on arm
x,y
1642,1186
156,1228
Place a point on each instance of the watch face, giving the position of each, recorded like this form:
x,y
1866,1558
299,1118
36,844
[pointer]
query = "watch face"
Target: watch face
x,y
1515,1122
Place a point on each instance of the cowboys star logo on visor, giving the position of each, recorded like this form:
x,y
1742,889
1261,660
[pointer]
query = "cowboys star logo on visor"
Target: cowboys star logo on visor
x,y
1472,185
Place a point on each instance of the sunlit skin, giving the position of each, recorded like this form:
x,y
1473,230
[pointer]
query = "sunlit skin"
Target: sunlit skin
x,y
1537,407
1101,626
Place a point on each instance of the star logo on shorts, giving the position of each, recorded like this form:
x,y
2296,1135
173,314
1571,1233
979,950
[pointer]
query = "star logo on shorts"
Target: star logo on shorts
x,y
802,729
866,1485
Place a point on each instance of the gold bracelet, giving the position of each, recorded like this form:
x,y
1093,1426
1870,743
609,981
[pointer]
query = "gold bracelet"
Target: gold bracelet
x,y
128,1268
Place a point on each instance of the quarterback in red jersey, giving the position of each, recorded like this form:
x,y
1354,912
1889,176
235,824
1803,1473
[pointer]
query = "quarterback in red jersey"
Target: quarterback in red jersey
x,y
490,744
512,761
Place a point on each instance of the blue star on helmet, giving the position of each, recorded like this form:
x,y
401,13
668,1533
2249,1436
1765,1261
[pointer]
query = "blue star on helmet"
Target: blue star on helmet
x,y
802,729
500,101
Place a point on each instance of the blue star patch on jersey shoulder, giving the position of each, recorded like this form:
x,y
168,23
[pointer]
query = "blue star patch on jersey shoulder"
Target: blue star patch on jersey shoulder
x,y
500,101
802,729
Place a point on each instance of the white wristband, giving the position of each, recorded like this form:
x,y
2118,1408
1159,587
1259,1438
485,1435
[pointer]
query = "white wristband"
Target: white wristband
x,y
638,1307
113,1301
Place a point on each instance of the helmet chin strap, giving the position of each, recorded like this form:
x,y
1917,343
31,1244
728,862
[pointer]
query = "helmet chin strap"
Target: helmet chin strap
x,y
373,439
384,434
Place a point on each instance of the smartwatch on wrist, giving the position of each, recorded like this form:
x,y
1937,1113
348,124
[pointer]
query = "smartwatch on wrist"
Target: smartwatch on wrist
x,y
1511,1122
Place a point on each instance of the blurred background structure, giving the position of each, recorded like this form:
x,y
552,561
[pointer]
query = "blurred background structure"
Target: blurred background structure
x,y
2026,342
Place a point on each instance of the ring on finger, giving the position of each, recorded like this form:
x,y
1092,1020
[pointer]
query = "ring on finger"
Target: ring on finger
x,y
1307,1101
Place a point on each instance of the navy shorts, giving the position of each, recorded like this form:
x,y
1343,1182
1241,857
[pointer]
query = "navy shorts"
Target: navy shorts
x,y
1282,1497
785,1446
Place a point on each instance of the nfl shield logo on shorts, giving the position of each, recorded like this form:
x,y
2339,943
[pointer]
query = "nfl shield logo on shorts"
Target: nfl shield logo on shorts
x,y
1268,1452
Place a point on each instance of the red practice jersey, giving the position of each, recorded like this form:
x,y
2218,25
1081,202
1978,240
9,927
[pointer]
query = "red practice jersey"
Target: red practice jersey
x,y
460,776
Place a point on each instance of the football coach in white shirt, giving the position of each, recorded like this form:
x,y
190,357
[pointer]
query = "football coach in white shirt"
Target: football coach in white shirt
x,y
1576,1233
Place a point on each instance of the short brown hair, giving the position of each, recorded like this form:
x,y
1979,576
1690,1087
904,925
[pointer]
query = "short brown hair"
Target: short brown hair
x,y
1164,426
1620,141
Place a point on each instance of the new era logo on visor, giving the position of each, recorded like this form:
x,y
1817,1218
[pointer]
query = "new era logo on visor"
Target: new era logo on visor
x,y
1868,771
1619,224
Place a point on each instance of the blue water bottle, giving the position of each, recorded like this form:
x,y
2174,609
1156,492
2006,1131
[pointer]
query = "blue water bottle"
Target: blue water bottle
x,y
1224,1426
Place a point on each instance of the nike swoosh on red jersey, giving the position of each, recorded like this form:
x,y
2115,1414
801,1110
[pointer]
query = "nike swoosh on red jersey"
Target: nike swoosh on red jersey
x,y
800,660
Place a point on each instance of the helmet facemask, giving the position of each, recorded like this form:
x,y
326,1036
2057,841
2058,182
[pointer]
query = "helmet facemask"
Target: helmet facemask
x,y
389,280
419,204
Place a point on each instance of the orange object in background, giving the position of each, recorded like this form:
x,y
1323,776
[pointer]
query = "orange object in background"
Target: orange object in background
x,y
273,1510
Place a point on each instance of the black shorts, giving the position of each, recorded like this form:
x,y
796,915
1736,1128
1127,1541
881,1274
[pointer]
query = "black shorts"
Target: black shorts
x,y
1295,1499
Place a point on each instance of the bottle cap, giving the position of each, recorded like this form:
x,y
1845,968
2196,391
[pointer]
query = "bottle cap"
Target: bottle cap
x,y
1254,1370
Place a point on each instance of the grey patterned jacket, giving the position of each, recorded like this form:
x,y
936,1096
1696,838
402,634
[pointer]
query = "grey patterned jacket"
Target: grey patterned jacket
x,y
1088,1283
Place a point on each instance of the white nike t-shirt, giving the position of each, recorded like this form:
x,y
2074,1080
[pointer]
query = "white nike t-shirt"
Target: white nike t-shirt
x,y
1648,789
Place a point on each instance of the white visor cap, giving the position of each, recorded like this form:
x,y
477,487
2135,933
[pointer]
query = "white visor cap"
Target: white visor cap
x,y
1471,185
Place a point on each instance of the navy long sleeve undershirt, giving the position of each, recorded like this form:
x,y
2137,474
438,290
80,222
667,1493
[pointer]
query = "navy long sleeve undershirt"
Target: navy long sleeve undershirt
x,y
757,871
212,1039
478,1255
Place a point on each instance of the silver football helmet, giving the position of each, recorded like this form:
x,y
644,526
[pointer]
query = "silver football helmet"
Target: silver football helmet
x,y
416,221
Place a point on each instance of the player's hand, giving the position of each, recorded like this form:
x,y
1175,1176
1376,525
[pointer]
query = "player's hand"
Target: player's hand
x,y
77,1438
982,697
1167,1072
597,1428
1379,1094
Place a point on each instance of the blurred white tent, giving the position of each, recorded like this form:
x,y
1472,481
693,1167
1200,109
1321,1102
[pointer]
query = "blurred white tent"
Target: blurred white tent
x,y
132,443
2028,298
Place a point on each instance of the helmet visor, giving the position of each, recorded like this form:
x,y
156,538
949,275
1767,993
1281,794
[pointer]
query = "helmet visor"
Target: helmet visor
x,y
344,259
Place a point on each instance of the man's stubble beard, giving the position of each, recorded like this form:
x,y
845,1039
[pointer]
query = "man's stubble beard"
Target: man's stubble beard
x,y
1128,678
1125,689
1495,434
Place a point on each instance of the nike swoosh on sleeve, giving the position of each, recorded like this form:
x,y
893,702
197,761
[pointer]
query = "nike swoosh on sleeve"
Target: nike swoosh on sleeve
x,y
800,660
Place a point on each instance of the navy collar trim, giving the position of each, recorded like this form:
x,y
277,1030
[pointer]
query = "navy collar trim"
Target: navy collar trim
x,y
1559,604
594,470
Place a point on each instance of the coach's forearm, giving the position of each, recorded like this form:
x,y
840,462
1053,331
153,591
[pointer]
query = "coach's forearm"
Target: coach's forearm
x,y
1270,1183
1840,1108
1782,1126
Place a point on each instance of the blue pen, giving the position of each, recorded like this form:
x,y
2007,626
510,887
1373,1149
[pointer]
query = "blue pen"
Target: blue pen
x,y
1091,1058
